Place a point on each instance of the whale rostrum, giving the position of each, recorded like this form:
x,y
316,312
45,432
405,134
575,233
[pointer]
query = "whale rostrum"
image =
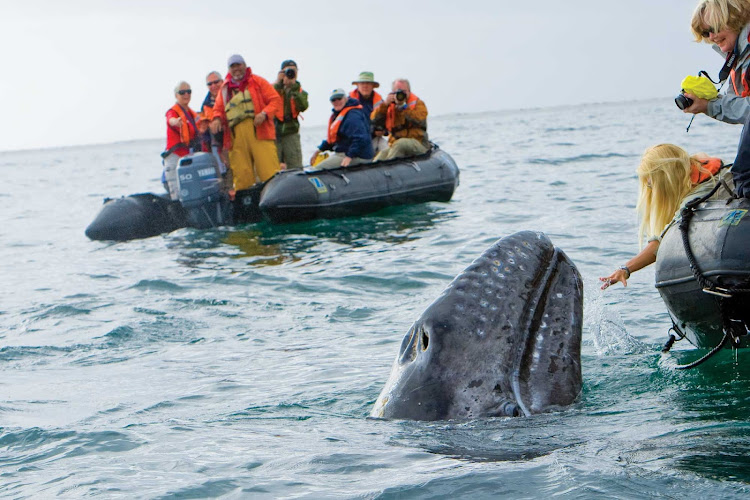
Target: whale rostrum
x,y
503,339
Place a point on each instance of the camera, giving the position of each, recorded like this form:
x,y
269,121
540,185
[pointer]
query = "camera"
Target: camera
x,y
400,95
683,102
290,73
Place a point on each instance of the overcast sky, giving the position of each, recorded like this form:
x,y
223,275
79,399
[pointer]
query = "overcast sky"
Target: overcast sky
x,y
83,72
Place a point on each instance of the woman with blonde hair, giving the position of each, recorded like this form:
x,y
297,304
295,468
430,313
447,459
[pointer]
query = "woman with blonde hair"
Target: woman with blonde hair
x,y
726,25
668,178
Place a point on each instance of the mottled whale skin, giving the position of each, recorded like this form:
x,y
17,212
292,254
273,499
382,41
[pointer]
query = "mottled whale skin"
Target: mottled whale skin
x,y
503,339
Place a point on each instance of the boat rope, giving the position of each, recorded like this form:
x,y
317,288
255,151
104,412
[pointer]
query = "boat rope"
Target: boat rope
x,y
686,215
674,335
722,294
728,332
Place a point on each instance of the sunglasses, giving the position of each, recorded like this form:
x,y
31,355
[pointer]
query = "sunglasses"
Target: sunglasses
x,y
708,31
183,92
334,99
208,84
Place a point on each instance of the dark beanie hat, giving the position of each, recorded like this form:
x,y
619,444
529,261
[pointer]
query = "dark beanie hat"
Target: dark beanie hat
x,y
288,62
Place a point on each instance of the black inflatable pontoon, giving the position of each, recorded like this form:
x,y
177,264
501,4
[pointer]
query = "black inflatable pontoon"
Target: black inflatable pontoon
x,y
718,235
289,196
296,195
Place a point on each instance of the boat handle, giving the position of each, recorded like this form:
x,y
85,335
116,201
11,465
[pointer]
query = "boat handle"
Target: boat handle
x,y
718,293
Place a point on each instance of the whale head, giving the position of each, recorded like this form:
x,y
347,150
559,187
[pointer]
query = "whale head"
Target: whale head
x,y
503,339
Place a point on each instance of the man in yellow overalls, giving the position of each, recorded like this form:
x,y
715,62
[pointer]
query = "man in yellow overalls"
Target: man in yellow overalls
x,y
246,106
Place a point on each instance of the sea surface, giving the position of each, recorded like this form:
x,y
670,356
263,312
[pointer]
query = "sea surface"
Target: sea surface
x,y
243,362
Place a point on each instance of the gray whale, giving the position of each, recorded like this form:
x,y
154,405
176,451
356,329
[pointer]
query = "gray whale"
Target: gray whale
x,y
503,339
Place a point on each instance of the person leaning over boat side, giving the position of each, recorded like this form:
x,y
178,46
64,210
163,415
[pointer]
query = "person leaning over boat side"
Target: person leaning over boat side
x,y
213,82
726,25
182,136
288,143
404,116
249,134
365,92
348,134
668,178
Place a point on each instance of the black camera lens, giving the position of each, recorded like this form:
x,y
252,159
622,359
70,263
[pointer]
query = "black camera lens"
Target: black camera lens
x,y
682,101
290,73
400,95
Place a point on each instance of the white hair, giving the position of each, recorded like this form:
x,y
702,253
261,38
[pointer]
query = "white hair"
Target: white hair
x,y
180,84
404,81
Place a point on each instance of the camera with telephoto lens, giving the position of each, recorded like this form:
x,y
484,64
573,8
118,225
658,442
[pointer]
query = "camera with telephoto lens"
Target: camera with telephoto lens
x,y
682,101
400,95
290,73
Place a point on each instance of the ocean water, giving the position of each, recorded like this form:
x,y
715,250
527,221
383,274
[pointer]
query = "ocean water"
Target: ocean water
x,y
243,362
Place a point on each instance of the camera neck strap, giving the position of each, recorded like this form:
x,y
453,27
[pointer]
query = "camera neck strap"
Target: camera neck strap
x,y
728,65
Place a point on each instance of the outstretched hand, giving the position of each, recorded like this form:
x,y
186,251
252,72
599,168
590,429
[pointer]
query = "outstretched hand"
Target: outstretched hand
x,y
613,278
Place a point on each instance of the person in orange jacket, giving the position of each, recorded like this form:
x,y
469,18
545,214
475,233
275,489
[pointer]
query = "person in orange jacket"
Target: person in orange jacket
x,y
404,116
244,110
365,92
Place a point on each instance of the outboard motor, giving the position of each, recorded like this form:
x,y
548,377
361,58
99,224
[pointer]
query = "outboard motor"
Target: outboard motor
x,y
199,188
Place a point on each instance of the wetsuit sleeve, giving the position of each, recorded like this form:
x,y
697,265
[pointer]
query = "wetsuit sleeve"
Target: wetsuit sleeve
x,y
324,146
741,167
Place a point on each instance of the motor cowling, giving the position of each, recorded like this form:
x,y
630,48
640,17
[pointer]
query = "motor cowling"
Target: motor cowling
x,y
200,192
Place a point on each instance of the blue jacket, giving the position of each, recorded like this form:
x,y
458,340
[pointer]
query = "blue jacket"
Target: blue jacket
x,y
353,137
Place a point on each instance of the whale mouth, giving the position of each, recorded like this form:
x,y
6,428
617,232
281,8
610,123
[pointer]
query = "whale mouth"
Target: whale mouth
x,y
531,325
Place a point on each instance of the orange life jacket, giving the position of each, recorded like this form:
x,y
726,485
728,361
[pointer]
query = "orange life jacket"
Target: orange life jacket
x,y
185,136
710,168
743,82
390,114
207,114
334,124
376,98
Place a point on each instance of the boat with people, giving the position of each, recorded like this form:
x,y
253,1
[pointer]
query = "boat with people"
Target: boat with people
x,y
703,273
290,196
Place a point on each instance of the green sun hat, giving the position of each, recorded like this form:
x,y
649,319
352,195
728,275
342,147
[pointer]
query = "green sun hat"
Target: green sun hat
x,y
366,77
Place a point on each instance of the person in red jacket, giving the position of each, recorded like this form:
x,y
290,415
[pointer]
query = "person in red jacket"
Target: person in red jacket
x,y
182,136
244,110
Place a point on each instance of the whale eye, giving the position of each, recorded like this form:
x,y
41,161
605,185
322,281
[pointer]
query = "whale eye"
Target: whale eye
x,y
511,409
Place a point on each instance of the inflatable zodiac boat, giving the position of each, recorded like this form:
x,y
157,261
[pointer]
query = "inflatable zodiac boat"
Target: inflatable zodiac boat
x,y
703,273
297,195
289,196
